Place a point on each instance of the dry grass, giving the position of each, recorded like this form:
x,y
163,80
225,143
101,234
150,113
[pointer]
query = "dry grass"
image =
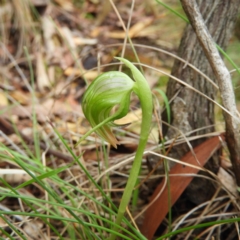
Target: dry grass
x,y
68,44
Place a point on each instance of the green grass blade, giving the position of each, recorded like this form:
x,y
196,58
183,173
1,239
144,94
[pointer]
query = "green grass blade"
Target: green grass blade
x,y
187,21
172,10
45,175
12,227
34,115
185,229
5,232
84,169
228,58
17,195
166,102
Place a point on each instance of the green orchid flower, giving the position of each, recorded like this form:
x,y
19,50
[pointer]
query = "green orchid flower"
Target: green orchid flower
x,y
107,91
110,90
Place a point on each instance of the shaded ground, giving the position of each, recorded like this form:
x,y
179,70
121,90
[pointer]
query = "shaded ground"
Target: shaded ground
x,y
49,52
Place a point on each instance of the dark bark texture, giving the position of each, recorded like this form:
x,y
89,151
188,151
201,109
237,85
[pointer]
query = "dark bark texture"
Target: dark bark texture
x,y
190,110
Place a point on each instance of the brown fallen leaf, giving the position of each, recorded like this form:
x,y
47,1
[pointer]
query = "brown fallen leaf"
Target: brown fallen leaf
x,y
133,31
130,117
14,176
159,208
3,99
20,96
85,41
90,75
133,124
65,4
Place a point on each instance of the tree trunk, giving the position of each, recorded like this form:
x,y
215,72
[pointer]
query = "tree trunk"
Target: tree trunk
x,y
189,110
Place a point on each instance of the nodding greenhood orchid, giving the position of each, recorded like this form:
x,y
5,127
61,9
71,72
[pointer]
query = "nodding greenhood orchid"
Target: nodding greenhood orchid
x,y
107,91
104,93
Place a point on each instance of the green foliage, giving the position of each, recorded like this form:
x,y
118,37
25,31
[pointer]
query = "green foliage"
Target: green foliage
x,y
113,89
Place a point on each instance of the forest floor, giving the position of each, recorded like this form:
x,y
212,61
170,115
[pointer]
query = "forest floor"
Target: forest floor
x,y
49,52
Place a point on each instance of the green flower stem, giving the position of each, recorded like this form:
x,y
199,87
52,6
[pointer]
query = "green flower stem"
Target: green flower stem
x,y
112,89
142,89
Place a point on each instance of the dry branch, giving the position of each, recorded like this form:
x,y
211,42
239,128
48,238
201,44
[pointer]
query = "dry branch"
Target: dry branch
x,y
224,81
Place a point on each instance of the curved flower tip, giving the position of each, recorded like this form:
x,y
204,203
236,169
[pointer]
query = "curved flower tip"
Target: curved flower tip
x,y
109,90
107,135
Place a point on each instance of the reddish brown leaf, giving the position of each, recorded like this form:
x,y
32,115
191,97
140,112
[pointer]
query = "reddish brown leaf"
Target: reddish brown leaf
x,y
158,210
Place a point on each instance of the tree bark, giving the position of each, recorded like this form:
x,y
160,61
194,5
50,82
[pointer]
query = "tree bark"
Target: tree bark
x,y
189,110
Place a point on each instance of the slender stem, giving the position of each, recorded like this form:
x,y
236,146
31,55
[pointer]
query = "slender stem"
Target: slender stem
x,y
99,92
143,91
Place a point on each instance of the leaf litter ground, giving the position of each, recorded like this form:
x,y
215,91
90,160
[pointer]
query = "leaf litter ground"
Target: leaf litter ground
x,y
68,44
